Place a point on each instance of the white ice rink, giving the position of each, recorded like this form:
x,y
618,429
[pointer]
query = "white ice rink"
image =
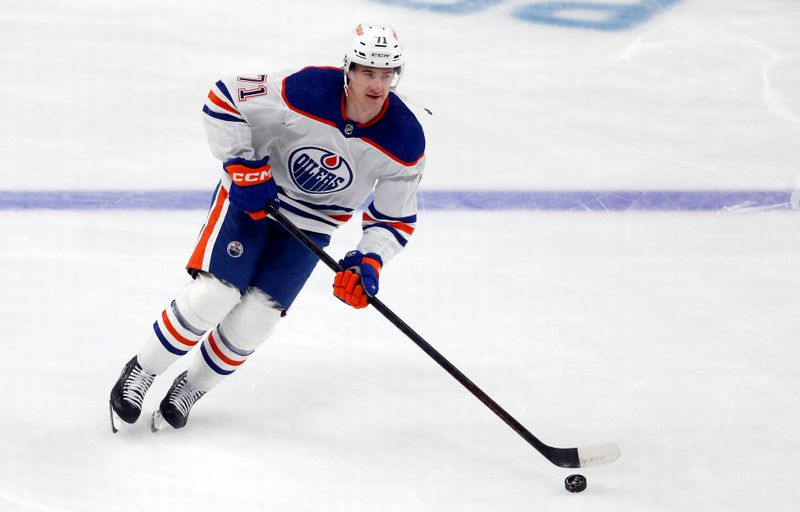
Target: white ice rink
x,y
673,331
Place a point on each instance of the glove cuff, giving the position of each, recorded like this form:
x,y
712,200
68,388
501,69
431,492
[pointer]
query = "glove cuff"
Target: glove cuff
x,y
374,261
246,173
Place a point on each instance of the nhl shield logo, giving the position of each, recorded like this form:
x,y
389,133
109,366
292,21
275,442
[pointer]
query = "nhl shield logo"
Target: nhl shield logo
x,y
235,249
319,171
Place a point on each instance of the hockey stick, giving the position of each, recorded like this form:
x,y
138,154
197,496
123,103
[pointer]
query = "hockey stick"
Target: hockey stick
x,y
594,455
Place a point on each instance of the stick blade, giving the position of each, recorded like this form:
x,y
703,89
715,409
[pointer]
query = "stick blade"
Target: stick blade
x,y
599,454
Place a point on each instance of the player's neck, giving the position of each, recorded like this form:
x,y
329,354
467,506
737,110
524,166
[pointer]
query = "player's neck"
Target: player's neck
x,y
361,113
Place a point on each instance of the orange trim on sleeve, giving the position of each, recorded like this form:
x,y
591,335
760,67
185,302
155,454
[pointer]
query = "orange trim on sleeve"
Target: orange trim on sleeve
x,y
221,104
400,226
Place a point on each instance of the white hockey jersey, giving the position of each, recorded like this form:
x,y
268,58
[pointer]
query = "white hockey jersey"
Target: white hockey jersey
x,y
325,165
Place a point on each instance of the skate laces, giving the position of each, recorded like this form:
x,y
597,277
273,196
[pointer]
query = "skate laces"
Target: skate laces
x,y
183,396
136,385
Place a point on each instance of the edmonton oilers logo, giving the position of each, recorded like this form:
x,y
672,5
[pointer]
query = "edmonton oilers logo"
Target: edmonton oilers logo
x,y
235,249
319,171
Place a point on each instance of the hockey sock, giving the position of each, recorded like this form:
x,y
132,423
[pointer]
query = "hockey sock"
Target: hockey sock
x,y
199,307
218,358
228,346
172,337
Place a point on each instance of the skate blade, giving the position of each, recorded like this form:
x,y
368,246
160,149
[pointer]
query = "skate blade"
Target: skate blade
x,y
115,420
157,421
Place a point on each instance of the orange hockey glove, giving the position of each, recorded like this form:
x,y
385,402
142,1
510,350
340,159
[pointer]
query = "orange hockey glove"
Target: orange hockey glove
x,y
359,279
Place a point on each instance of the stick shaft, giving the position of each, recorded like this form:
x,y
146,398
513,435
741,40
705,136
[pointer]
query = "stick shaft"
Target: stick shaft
x,y
565,457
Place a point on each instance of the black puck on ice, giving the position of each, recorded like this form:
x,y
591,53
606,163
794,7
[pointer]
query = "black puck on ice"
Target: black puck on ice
x,y
575,483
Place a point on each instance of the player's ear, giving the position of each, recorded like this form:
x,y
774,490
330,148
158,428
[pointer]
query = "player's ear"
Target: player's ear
x,y
349,73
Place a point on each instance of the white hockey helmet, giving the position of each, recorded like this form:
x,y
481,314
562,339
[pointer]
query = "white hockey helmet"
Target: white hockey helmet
x,y
375,46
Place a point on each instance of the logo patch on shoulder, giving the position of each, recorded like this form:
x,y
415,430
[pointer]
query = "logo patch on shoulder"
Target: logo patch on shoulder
x,y
319,171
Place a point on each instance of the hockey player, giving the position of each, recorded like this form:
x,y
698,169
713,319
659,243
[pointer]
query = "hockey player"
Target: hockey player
x,y
316,142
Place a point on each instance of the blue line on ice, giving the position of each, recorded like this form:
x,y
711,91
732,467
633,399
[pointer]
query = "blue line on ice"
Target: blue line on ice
x,y
543,200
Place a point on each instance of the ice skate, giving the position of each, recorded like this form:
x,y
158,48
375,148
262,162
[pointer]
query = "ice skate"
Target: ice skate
x,y
174,408
127,395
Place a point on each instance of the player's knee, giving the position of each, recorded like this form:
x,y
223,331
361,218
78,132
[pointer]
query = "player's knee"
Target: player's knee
x,y
206,300
252,321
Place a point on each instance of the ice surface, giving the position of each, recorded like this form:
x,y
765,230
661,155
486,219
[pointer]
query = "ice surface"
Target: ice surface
x,y
673,333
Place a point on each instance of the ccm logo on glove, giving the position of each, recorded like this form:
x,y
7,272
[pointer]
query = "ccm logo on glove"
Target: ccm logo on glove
x,y
252,186
246,179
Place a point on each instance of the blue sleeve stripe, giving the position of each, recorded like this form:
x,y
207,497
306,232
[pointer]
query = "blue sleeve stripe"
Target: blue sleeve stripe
x,y
411,219
223,117
301,213
400,240
224,90
167,344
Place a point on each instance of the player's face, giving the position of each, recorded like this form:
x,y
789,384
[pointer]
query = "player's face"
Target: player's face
x,y
369,86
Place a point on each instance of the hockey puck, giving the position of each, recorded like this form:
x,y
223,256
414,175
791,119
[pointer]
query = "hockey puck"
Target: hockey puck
x,y
575,483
